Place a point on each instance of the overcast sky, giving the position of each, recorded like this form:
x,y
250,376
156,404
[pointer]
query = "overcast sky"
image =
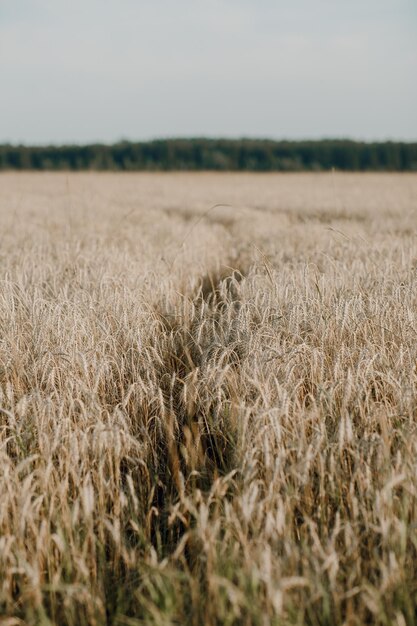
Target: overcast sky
x,y
104,70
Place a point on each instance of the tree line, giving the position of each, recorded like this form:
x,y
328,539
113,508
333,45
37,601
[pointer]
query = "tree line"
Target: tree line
x,y
215,154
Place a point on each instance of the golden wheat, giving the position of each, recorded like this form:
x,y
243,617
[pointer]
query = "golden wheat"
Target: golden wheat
x,y
208,413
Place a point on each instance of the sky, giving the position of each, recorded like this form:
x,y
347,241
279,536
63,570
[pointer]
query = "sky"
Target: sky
x,y
81,71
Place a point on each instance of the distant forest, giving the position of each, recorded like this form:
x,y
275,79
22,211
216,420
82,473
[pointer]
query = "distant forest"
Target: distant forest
x,y
256,155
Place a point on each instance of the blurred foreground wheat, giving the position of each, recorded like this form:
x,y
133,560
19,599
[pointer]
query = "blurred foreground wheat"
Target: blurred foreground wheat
x,y
208,421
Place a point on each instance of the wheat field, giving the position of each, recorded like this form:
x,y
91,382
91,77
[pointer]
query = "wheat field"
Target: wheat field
x,y
208,399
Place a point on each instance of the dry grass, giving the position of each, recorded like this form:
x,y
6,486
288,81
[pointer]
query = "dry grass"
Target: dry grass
x,y
208,421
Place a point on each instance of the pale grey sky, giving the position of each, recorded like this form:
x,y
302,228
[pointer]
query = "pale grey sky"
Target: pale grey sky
x,y
102,70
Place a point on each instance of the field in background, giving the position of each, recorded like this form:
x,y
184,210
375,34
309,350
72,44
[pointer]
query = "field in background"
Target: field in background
x,y
208,413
